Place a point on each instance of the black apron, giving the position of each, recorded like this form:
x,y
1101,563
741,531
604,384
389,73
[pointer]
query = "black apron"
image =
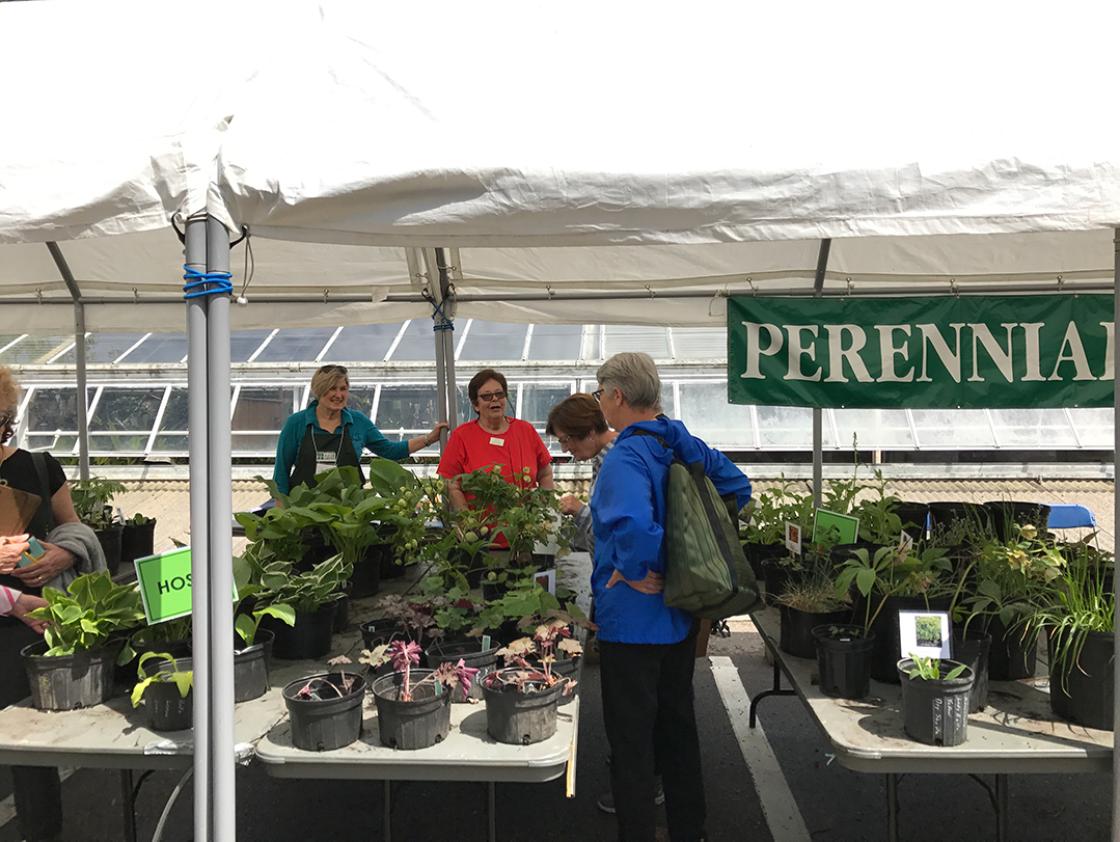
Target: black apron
x,y
320,452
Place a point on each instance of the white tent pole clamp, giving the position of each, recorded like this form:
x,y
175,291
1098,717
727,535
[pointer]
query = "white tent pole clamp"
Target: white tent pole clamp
x,y
80,348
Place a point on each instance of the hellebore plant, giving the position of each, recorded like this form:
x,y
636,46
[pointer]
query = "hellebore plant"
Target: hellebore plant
x,y
405,654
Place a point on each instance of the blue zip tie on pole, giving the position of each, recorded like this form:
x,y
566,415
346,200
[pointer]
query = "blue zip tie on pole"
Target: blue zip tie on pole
x,y
437,310
219,283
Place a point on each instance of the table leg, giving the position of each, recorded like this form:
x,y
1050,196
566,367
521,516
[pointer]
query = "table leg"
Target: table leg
x,y
1001,808
776,690
128,805
491,810
387,817
892,807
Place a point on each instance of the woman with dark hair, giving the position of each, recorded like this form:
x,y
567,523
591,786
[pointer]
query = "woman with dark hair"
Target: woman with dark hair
x,y
494,439
578,424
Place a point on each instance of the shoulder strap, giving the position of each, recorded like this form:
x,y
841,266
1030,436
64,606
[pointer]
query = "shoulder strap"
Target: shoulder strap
x,y
39,460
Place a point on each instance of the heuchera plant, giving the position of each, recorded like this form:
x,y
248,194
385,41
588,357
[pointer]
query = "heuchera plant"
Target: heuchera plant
x,y
548,639
405,654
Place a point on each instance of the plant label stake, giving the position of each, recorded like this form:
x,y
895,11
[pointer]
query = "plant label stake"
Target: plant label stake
x,y
846,527
793,538
165,585
905,544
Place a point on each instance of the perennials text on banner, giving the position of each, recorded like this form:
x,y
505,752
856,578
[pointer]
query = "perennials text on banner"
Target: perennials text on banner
x,y
946,351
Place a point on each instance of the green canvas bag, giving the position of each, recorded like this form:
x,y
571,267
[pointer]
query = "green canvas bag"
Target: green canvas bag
x,y
706,572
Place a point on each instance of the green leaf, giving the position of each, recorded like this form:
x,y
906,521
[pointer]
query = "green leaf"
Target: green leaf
x,y
246,628
865,581
138,690
183,681
281,611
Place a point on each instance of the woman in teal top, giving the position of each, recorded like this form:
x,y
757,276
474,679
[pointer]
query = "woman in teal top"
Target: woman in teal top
x,y
328,435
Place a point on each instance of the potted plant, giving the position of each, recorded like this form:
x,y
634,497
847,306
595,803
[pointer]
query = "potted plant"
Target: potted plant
x,y
312,594
138,538
414,705
521,700
806,604
935,699
72,666
410,618
844,659
164,687
325,709
92,503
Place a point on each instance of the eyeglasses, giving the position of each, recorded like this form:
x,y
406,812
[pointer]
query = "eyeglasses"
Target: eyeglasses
x,y
598,395
566,440
492,396
7,418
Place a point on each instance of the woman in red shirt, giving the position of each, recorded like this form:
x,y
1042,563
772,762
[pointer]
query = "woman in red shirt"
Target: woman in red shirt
x,y
494,438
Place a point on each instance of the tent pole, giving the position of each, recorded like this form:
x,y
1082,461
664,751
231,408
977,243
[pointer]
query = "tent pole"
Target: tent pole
x,y
440,351
80,348
195,258
448,298
818,413
1116,513
220,581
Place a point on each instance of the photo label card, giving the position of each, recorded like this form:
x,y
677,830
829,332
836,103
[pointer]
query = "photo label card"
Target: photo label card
x,y
925,633
793,538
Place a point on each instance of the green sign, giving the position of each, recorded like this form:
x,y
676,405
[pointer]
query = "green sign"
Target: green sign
x,y
1045,351
165,584
846,527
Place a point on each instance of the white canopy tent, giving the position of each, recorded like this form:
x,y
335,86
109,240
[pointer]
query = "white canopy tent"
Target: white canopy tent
x,y
614,164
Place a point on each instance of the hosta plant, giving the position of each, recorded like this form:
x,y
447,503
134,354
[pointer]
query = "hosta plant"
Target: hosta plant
x,y
166,673
84,617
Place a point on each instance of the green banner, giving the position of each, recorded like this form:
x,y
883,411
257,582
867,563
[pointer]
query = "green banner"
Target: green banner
x,y
1032,351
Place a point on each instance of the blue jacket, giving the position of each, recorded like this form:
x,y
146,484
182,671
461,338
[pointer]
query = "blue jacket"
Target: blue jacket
x,y
628,513
363,434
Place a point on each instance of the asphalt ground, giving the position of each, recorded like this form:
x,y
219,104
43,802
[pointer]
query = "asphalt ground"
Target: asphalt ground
x,y
833,803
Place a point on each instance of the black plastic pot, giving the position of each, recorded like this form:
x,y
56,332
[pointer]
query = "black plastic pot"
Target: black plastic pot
x,y
796,637
844,660
309,638
473,655
775,577
137,541
110,540
327,723
366,579
1005,515
420,723
888,646
250,668
1082,691
341,614
935,712
521,718
378,632
1011,657
143,642
567,667
974,650
757,554
167,708
68,682
914,517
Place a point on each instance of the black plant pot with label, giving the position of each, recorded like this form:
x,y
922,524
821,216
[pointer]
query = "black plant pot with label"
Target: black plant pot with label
x,y
935,711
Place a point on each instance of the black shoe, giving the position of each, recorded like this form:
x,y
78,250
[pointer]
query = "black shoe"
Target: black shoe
x,y
606,800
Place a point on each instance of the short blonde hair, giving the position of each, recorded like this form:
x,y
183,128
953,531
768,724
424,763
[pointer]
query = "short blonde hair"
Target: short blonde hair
x,y
635,375
326,378
9,390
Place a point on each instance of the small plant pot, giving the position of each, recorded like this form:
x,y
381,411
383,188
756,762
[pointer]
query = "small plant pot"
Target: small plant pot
x,y
935,712
366,579
328,722
521,718
1005,515
309,638
166,707
567,667
473,655
757,554
68,682
796,632
1082,691
420,723
974,650
250,668
381,631
137,541
844,660
341,614
1011,656
110,540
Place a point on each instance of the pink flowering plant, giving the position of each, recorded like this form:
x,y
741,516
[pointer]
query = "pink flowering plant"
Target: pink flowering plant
x,y
530,661
405,654
331,686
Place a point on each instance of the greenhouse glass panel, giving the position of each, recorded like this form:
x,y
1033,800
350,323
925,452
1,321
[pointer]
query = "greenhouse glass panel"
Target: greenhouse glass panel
x,y
1094,428
126,409
700,343
102,348
494,341
52,409
244,343
361,399
160,348
418,343
651,340
299,344
34,349
789,428
1033,429
175,413
555,342
171,443
55,444
406,408
707,414
261,408
7,339
668,402
364,343
254,444
538,399
878,429
953,428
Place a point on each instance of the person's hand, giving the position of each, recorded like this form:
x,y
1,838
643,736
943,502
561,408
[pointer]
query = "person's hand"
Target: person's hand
x,y
651,584
11,547
25,604
50,564
433,436
570,504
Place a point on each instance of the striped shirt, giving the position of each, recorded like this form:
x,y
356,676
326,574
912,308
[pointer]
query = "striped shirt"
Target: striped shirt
x,y
585,536
8,599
